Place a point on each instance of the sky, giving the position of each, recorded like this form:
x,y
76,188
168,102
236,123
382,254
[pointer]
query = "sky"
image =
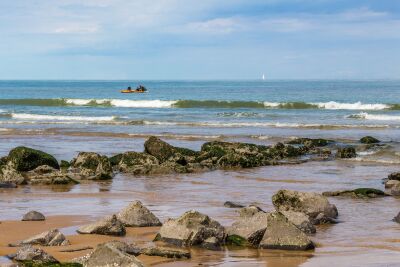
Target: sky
x,y
199,39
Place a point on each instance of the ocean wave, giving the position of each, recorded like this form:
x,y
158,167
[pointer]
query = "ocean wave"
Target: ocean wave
x,y
38,117
157,103
376,117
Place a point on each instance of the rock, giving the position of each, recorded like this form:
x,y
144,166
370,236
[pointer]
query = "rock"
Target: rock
x,y
300,220
115,160
166,252
311,204
7,185
163,151
135,214
192,229
48,175
391,183
394,176
106,255
50,238
9,175
27,159
369,140
108,226
34,255
249,229
91,166
64,164
282,234
395,190
358,193
346,152
131,249
397,218
33,216
230,204
137,163
309,142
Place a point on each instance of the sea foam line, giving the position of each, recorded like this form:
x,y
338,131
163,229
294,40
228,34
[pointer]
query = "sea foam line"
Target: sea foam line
x,y
376,117
37,117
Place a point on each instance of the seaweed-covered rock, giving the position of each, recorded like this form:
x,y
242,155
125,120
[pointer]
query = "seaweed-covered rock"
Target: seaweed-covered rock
x,y
282,234
115,160
192,229
34,255
26,159
394,176
48,175
369,140
64,164
357,193
346,152
8,174
107,226
106,255
163,151
91,166
33,216
312,204
50,238
309,142
249,228
137,163
135,214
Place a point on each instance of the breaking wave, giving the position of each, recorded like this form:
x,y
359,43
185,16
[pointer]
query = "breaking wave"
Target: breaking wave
x,y
375,117
157,103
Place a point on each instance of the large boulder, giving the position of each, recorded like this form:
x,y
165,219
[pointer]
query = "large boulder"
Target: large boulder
x,y
48,175
315,206
33,216
163,151
91,166
346,152
26,159
107,254
8,174
369,140
50,238
282,234
394,176
107,226
135,214
249,228
356,193
192,229
137,163
33,255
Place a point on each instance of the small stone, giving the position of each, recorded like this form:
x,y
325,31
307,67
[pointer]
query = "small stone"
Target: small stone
x,y
369,140
234,205
33,216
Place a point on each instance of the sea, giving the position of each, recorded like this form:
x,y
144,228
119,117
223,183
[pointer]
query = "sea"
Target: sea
x,y
66,117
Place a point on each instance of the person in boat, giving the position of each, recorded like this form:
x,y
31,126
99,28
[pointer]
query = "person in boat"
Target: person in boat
x,y
141,88
129,88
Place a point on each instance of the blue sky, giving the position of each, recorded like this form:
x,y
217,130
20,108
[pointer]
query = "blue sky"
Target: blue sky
x,y
192,39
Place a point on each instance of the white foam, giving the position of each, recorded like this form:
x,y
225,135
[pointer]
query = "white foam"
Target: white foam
x,y
37,117
271,104
376,117
351,106
126,103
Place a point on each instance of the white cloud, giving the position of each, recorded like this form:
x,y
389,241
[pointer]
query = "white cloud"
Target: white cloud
x,y
213,26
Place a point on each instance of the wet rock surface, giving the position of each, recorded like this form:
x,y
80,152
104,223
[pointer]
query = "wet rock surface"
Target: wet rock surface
x,y
33,216
50,238
356,193
135,214
346,152
26,159
369,140
91,166
107,226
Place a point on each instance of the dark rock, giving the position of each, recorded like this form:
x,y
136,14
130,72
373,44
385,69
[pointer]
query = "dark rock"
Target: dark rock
x,y
346,152
369,140
91,166
108,255
282,234
48,175
64,164
166,252
395,190
192,229
135,214
50,238
107,226
357,193
163,151
311,204
114,160
26,159
394,176
309,142
33,216
397,218
230,204
137,163
34,255
7,185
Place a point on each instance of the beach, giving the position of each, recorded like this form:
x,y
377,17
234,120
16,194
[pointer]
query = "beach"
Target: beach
x,y
63,119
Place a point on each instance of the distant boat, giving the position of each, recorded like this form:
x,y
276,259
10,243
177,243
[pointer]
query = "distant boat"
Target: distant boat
x,y
263,77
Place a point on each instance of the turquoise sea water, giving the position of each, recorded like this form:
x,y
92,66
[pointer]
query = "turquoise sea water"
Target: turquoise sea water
x,y
259,109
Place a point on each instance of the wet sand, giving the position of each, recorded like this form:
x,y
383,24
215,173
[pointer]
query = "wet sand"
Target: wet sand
x,y
366,236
